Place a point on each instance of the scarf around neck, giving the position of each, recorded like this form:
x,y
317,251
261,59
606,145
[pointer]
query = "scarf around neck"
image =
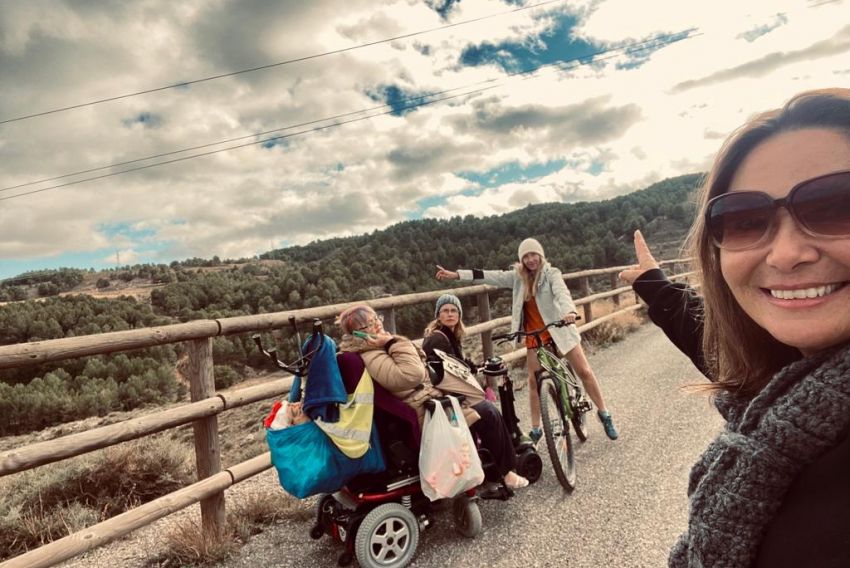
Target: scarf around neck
x,y
738,484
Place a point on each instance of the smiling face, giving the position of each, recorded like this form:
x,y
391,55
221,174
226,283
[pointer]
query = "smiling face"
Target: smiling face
x,y
532,261
449,316
793,285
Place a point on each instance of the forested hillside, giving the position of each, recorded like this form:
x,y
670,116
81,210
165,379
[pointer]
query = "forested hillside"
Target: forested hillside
x,y
397,260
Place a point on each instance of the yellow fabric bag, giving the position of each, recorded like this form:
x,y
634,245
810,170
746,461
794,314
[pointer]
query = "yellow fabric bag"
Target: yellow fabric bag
x,y
351,432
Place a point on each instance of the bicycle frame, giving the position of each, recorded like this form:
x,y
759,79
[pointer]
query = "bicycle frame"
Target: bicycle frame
x,y
560,374
560,370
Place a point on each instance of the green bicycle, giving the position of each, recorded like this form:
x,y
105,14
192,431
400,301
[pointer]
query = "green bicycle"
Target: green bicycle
x,y
562,402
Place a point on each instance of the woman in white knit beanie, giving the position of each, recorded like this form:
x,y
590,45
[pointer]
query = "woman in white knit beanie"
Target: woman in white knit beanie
x,y
540,296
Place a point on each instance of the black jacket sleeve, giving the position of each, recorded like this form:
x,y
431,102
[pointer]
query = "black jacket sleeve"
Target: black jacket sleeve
x,y
677,309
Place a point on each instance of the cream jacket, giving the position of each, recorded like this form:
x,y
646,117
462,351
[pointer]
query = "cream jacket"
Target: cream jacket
x,y
553,300
401,370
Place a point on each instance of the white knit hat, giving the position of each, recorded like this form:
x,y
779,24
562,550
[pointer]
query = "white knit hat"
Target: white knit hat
x,y
529,245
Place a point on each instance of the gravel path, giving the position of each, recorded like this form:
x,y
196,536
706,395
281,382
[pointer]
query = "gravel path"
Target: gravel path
x,y
628,508
630,503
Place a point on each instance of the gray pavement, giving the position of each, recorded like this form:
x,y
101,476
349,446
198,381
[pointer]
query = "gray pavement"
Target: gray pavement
x,y
630,503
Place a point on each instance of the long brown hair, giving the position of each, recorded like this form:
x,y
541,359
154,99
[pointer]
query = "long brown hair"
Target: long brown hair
x,y
529,280
740,354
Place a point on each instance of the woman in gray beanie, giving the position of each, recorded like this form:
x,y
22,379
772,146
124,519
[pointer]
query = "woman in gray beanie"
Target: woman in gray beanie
x,y
540,297
442,338
772,332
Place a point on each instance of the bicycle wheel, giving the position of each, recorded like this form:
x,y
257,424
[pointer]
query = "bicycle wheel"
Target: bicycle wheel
x,y
556,430
578,405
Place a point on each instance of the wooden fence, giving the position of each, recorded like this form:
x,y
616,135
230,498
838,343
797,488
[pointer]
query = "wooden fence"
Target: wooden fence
x,y
207,403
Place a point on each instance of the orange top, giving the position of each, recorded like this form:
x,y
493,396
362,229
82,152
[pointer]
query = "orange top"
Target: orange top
x,y
532,320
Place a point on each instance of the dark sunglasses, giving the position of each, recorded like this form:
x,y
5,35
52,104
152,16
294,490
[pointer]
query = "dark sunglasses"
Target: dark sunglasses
x,y
740,220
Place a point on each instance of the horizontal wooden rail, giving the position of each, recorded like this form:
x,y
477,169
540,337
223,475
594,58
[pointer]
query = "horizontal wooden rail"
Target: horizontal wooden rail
x,y
608,317
21,354
41,453
143,515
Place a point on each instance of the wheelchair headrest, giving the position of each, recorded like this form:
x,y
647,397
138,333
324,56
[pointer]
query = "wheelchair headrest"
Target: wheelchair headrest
x,y
435,370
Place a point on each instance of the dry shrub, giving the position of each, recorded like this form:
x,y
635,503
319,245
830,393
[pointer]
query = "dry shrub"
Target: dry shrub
x,y
187,545
255,510
39,506
616,329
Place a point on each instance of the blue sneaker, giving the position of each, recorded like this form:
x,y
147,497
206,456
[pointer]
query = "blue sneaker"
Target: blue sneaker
x,y
535,434
608,424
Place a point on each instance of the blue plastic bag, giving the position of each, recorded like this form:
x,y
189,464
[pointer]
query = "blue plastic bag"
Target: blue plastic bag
x,y
308,462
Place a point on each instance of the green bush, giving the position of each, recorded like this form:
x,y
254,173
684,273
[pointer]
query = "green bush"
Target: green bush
x,y
225,376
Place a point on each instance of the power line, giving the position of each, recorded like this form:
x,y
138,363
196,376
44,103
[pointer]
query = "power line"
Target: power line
x,y
578,61
658,41
277,64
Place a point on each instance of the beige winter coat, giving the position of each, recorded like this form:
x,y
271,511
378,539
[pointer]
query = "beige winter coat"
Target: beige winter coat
x,y
400,370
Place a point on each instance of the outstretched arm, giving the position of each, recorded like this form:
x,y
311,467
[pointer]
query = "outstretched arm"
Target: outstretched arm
x,y
500,278
674,307
443,274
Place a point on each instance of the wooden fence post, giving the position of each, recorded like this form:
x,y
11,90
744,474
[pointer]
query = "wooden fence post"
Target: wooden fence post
x,y
484,315
207,452
389,319
584,287
613,282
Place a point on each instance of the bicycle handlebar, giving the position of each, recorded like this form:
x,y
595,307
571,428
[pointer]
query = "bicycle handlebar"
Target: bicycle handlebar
x,y
535,333
300,365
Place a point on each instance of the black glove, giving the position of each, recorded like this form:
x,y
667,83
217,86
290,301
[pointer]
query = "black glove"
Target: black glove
x,y
472,366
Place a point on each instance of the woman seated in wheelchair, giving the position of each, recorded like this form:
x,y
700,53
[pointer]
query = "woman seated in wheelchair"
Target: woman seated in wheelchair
x,y
394,363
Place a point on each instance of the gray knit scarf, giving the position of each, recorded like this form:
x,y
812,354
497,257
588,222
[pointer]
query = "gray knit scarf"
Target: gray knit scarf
x,y
738,484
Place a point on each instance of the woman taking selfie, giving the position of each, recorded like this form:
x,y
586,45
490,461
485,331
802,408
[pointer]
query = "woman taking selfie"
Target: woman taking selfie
x,y
772,331
444,334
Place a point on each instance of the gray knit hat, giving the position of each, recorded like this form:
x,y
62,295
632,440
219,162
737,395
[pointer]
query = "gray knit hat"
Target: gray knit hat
x,y
447,299
529,245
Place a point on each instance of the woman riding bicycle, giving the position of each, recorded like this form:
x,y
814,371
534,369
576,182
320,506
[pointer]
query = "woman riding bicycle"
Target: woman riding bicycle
x,y
540,296
444,333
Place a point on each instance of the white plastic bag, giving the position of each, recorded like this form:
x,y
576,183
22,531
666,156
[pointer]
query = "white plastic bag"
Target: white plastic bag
x,y
285,414
448,460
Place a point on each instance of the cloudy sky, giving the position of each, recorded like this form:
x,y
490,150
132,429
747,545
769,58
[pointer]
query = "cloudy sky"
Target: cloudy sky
x,y
519,111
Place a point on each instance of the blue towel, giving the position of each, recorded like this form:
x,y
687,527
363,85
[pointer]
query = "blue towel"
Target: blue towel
x,y
325,389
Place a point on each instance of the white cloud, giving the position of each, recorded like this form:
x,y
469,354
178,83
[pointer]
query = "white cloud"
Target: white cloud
x,y
369,174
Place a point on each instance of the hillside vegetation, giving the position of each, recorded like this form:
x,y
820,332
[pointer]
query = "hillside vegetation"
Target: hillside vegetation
x,y
397,260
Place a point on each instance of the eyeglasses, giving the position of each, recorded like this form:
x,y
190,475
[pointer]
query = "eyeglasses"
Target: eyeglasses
x,y
449,310
377,318
740,220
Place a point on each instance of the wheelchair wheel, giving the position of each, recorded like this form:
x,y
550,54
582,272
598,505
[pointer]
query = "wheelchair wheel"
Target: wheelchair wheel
x,y
323,507
387,537
529,465
556,430
467,516
578,415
